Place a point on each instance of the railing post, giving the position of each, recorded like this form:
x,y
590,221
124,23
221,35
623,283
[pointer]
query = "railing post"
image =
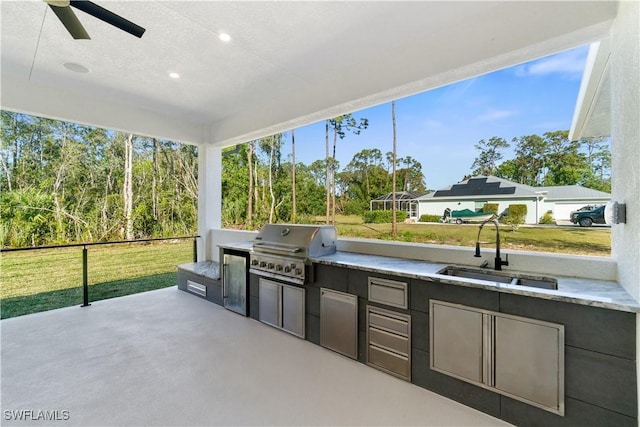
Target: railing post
x,y
85,278
195,249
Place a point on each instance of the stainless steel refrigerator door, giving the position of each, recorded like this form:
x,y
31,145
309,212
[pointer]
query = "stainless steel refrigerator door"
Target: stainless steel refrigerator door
x,y
234,283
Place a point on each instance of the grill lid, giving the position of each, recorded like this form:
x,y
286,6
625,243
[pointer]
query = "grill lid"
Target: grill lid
x,y
296,240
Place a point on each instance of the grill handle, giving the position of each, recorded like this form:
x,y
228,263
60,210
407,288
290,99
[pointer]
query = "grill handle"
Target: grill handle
x,y
276,249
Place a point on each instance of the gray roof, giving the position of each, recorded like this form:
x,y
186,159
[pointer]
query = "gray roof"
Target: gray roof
x,y
400,195
570,192
494,187
481,186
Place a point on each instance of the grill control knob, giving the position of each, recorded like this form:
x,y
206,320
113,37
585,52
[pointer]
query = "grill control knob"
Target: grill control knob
x,y
287,269
270,266
292,266
278,267
254,262
298,271
263,264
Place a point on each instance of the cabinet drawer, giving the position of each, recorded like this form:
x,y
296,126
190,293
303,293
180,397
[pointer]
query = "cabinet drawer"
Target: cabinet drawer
x,y
392,323
389,361
394,342
389,292
196,288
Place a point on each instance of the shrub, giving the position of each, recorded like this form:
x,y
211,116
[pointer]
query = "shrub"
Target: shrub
x,y
382,217
517,214
491,207
546,218
430,218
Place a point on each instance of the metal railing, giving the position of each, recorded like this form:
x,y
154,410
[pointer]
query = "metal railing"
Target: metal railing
x,y
85,249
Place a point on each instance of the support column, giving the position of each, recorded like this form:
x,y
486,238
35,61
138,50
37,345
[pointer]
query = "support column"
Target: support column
x,y
209,199
625,150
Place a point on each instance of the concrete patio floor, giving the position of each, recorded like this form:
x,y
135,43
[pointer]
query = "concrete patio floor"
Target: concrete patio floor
x,y
169,358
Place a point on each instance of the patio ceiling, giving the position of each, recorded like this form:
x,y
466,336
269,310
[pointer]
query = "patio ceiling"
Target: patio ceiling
x,y
288,63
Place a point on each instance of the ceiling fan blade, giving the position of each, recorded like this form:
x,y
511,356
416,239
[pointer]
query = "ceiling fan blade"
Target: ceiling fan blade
x,y
108,17
70,22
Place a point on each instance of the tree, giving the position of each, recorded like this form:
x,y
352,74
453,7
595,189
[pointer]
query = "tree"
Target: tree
x,y
340,126
530,159
394,224
154,183
293,177
127,191
81,170
487,161
412,175
272,145
250,180
598,156
364,178
565,165
327,181
237,184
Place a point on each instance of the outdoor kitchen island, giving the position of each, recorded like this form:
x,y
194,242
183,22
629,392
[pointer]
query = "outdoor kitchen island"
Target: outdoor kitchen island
x,y
591,322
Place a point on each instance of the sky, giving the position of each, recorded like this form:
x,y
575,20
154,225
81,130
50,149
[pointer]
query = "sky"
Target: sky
x,y
439,128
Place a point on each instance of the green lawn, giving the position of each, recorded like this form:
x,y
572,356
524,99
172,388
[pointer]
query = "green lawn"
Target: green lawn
x,y
34,281
568,240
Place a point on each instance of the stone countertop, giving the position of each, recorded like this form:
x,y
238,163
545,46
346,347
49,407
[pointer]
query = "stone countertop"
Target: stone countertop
x,y
591,292
238,246
210,269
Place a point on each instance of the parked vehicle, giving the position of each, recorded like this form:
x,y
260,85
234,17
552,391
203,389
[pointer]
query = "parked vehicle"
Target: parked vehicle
x,y
588,215
465,216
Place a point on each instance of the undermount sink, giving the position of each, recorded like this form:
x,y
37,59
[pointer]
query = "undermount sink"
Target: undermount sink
x,y
515,279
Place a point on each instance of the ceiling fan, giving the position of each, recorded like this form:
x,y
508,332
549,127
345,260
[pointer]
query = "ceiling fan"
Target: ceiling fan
x,y
62,9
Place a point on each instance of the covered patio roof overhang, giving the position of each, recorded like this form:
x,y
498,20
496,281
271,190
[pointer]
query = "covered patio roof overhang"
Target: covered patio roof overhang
x,y
288,63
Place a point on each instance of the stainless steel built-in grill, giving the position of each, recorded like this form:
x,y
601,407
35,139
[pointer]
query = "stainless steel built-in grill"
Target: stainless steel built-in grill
x,y
282,251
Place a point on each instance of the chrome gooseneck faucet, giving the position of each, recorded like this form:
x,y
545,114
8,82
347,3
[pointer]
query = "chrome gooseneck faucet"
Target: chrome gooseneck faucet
x,y
498,261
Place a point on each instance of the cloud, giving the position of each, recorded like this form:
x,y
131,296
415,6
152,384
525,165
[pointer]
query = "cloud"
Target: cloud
x,y
494,115
569,64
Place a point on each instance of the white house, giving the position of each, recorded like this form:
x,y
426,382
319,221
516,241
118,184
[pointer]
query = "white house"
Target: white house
x,y
474,192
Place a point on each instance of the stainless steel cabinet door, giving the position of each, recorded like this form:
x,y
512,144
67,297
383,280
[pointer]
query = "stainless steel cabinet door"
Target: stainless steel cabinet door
x,y
529,361
339,322
234,283
293,310
269,305
457,342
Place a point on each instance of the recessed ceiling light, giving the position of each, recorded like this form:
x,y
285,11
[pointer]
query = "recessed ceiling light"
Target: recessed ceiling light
x,y
224,37
174,75
76,68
